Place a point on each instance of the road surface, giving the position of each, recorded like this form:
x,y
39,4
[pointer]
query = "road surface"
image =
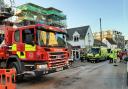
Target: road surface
x,y
89,76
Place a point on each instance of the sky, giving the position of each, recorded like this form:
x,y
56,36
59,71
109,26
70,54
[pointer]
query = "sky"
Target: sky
x,y
114,13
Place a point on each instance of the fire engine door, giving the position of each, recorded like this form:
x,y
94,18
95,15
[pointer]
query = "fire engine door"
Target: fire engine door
x,y
23,44
29,44
18,46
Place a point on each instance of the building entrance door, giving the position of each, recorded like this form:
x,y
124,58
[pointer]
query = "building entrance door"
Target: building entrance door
x,y
76,54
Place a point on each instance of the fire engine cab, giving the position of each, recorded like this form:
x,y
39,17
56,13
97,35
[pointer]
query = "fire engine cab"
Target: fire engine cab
x,y
34,49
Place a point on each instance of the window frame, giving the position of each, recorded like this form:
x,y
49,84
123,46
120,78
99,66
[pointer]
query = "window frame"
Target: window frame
x,y
23,34
76,38
15,36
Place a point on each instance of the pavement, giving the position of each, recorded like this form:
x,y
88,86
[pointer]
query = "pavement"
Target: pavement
x,y
78,63
81,76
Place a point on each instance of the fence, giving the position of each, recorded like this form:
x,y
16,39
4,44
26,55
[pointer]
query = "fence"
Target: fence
x,y
7,79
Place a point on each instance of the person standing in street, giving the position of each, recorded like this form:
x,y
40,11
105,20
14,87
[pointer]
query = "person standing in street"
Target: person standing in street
x,y
82,56
120,55
111,57
115,57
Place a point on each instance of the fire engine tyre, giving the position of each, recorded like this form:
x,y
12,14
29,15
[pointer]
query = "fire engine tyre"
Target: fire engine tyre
x,y
88,60
16,67
38,75
107,57
97,61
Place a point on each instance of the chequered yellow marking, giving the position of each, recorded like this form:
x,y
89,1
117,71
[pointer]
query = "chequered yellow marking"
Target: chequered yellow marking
x,y
30,47
14,47
21,56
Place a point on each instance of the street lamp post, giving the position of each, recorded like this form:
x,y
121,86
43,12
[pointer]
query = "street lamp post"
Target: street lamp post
x,y
89,41
101,32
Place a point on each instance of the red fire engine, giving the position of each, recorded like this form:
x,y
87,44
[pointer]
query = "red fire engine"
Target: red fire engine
x,y
35,49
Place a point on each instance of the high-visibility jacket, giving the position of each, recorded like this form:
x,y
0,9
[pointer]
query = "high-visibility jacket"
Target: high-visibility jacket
x,y
113,55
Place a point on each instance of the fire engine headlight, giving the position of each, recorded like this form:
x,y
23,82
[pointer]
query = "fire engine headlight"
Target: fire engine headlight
x,y
42,67
67,62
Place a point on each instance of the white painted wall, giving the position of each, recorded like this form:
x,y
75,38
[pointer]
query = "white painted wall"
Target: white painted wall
x,y
76,34
108,44
89,37
83,43
78,43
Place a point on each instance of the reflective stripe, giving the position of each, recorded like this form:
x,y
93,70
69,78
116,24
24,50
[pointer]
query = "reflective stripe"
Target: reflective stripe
x,y
14,47
30,47
21,55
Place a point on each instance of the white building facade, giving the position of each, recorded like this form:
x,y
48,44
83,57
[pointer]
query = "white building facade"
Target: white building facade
x,y
80,38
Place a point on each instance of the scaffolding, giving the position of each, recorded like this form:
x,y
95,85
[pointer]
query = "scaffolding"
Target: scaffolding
x,y
36,14
32,8
55,17
54,12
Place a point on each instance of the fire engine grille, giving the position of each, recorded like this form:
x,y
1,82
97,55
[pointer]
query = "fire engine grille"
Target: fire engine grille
x,y
57,55
57,59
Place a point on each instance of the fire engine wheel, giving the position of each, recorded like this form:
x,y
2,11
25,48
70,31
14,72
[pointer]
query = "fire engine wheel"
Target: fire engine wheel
x,y
88,60
97,60
15,66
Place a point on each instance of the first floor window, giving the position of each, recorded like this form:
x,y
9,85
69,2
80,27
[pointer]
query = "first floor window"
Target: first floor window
x,y
76,38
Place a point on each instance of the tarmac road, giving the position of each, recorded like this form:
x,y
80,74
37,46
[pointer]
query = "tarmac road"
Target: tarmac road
x,y
89,76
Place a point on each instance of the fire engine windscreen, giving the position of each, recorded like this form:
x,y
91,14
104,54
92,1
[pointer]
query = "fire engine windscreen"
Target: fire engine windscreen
x,y
54,39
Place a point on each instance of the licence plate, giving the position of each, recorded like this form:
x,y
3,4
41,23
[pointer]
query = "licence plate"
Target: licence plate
x,y
59,69
92,59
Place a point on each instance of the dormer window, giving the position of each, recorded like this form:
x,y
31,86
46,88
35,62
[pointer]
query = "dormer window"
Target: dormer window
x,y
76,38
